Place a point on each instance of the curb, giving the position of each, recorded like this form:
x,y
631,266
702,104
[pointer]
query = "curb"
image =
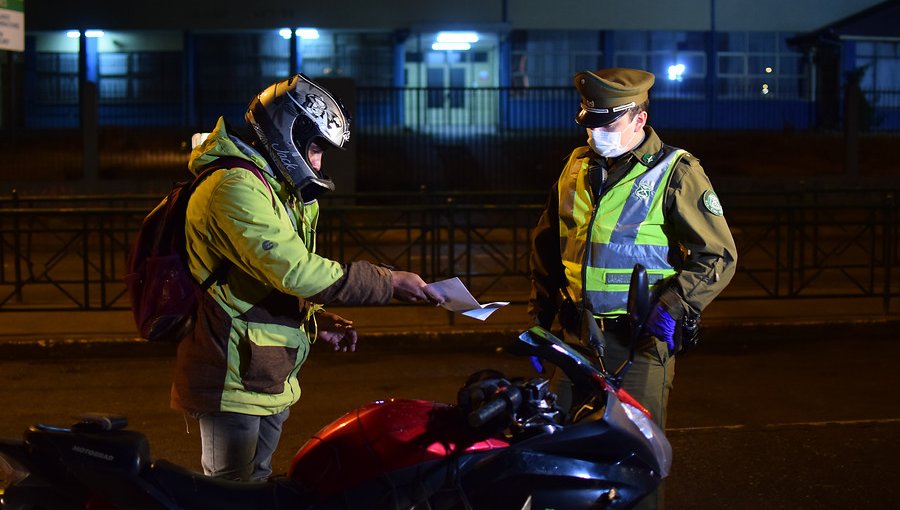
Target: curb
x,y
713,333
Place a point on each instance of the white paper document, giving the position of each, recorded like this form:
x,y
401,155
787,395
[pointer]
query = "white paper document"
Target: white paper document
x,y
457,298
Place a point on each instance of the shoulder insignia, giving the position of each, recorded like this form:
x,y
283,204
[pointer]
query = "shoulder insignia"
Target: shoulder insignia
x,y
711,202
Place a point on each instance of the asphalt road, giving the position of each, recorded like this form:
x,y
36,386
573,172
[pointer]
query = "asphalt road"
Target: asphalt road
x,y
799,418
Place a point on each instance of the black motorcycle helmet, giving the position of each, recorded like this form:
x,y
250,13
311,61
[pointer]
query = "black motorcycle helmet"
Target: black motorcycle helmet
x,y
286,118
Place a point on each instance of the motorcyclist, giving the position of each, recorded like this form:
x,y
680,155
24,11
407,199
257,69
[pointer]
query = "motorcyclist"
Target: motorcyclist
x,y
237,371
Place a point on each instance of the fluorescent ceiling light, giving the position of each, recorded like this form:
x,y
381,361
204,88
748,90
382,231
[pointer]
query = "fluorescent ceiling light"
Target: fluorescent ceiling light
x,y
457,37
93,33
73,34
307,33
451,46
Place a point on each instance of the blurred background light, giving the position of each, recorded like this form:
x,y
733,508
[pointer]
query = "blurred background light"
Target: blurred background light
x,y
451,46
457,37
307,33
676,72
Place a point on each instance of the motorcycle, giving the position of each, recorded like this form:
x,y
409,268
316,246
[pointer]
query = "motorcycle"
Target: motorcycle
x,y
505,444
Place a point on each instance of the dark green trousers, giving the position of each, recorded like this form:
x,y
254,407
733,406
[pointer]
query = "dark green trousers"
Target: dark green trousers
x,y
648,379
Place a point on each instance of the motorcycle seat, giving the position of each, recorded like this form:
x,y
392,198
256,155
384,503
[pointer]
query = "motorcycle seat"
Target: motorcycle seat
x,y
120,451
190,489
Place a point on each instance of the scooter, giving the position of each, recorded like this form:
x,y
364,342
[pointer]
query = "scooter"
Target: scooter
x,y
505,444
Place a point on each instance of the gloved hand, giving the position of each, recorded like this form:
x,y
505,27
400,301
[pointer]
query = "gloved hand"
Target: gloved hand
x,y
661,325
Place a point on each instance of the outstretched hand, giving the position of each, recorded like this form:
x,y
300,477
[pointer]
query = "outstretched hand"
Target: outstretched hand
x,y
410,288
336,331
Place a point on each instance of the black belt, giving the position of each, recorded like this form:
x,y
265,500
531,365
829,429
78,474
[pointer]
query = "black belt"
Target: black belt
x,y
612,323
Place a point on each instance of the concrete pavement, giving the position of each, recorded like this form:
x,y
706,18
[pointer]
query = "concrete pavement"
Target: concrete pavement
x,y
796,422
396,325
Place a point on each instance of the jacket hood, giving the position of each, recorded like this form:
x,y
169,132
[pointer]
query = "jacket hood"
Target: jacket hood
x,y
221,144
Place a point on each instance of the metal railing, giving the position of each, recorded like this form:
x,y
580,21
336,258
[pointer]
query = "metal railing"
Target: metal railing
x,y
817,246
68,253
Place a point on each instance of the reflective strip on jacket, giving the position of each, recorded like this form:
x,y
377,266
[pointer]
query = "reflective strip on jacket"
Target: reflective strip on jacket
x,y
600,243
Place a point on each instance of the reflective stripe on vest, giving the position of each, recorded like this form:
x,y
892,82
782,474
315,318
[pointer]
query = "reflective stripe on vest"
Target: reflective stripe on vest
x,y
625,229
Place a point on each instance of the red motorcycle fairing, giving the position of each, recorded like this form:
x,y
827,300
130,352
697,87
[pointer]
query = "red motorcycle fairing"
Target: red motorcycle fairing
x,y
379,438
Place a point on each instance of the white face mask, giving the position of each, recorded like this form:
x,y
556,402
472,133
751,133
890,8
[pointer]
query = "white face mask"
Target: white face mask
x,y
609,143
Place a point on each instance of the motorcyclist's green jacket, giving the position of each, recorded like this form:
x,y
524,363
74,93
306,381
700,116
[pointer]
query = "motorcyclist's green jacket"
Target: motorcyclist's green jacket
x,y
254,327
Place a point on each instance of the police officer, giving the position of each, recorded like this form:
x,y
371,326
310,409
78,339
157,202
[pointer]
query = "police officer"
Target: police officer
x,y
623,199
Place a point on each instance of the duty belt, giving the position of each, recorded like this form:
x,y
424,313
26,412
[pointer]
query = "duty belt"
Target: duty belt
x,y
612,323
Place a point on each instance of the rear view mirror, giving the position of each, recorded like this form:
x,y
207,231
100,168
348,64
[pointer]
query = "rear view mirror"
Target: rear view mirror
x,y
638,299
638,308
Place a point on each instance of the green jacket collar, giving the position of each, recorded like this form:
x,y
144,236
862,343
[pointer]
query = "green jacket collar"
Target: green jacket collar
x,y
220,143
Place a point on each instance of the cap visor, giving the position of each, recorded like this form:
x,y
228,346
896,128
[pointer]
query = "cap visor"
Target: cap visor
x,y
594,120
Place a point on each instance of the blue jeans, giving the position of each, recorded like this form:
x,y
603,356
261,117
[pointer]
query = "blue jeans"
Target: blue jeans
x,y
239,446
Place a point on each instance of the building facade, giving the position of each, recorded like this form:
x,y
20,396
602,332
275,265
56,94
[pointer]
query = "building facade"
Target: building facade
x,y
473,85
720,64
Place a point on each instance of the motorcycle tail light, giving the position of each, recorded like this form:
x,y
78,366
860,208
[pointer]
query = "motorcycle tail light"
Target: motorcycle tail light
x,y
626,398
622,395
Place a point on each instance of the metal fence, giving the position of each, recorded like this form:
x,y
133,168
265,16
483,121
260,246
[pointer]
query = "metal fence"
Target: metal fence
x,y
437,138
68,253
478,109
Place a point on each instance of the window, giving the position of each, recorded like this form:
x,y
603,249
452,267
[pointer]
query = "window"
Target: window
x,y
879,62
550,58
234,67
678,59
56,69
365,57
758,65
57,78
140,77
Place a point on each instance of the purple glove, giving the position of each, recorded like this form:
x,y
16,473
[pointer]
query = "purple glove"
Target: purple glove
x,y
661,325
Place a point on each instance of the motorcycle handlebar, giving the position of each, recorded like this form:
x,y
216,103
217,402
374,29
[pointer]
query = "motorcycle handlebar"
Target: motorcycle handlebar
x,y
507,399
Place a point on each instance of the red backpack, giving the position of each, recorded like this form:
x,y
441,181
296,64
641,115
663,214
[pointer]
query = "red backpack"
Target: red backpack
x,y
163,293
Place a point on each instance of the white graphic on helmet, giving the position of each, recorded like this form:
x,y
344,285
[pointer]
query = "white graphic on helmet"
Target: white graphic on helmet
x,y
328,121
315,105
286,157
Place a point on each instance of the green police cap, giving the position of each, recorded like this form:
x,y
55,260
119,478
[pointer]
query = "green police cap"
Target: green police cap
x,y
608,93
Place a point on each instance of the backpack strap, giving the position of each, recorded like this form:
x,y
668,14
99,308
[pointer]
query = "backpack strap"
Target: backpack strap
x,y
226,162
232,162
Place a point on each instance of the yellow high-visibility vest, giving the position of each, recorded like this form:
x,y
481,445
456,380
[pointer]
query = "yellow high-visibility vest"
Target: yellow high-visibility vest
x,y
601,242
